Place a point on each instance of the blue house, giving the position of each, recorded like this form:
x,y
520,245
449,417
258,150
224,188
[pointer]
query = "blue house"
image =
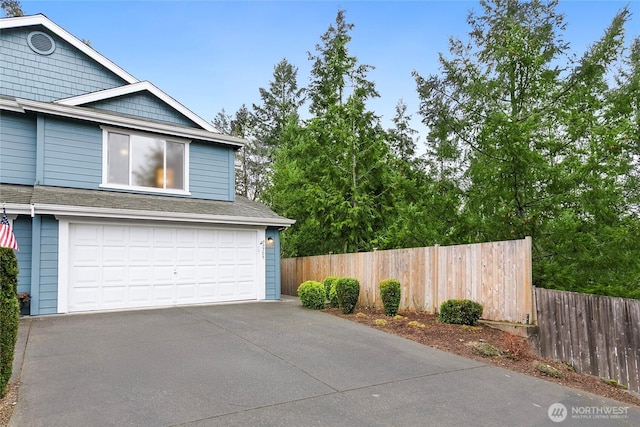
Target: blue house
x,y
120,196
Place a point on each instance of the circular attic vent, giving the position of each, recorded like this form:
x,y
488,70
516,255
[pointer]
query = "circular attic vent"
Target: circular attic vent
x,y
41,43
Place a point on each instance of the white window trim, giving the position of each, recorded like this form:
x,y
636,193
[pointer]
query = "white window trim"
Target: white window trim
x,y
105,172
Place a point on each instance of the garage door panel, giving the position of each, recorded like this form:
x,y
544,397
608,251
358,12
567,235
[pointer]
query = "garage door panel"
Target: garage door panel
x,y
113,255
163,274
114,294
87,254
207,239
127,266
186,236
114,276
140,256
164,293
226,237
86,276
245,256
163,256
186,292
139,294
141,236
163,237
206,273
186,274
205,256
227,290
226,256
140,274
244,277
87,296
227,273
114,235
186,256
245,288
207,291
87,234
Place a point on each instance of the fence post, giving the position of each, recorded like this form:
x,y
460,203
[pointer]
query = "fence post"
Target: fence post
x,y
530,298
434,279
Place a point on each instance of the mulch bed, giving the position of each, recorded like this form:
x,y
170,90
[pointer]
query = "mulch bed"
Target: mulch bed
x,y
516,353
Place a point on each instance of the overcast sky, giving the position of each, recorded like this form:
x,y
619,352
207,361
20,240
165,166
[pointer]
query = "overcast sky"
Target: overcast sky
x,y
210,55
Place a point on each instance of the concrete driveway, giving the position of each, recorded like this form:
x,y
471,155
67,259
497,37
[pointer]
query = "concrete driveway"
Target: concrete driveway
x,y
268,363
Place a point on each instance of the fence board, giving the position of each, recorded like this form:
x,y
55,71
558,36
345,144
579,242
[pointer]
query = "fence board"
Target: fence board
x,y
497,275
598,335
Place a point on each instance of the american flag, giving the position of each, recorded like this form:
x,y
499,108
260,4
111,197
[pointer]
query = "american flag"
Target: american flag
x,y
7,239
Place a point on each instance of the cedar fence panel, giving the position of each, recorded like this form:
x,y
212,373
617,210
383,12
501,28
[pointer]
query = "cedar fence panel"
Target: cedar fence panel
x,y
598,335
495,274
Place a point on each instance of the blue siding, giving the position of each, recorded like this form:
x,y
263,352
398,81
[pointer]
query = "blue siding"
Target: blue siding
x,y
211,169
17,148
72,154
48,266
22,231
143,105
66,72
272,265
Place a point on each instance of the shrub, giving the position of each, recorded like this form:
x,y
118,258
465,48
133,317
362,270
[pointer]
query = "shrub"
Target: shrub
x,y
330,290
347,292
390,293
548,370
484,349
312,294
380,322
416,324
9,314
460,312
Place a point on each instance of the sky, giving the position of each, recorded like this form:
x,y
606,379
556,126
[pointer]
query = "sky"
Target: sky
x,y
211,55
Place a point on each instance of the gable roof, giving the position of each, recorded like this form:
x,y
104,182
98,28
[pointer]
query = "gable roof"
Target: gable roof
x,y
133,86
40,19
143,86
109,118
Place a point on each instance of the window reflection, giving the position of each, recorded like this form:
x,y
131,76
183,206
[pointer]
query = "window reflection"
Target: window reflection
x,y
147,156
175,165
118,159
145,162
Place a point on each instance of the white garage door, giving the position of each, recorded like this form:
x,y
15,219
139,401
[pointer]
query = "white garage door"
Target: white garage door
x,y
127,266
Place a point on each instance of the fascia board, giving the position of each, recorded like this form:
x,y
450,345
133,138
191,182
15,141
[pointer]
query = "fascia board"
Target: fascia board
x,y
10,105
33,20
134,88
127,122
17,208
87,212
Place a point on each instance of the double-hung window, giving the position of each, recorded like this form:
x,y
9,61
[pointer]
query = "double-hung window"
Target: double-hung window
x,y
145,162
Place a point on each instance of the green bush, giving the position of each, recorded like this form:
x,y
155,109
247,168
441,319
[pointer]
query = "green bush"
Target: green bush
x,y
330,290
390,293
9,314
312,294
460,312
347,292
333,296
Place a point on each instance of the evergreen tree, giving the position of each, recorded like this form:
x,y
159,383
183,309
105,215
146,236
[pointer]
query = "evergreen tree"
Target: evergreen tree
x,y
331,171
532,133
281,102
11,8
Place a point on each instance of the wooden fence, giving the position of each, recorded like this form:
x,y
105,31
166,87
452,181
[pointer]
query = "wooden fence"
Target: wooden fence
x,y
496,274
598,335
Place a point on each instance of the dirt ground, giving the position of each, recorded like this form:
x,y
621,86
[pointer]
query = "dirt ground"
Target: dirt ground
x,y
515,353
7,403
